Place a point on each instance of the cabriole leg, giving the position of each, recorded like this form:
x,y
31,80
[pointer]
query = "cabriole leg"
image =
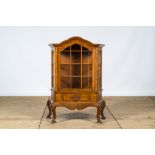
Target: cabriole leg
x,y
102,105
98,114
53,108
49,103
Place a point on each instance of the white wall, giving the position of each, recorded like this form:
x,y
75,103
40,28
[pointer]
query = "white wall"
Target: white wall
x,y
128,58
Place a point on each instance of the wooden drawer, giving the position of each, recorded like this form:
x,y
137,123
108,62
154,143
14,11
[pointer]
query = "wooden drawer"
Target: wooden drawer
x,y
75,97
58,97
94,97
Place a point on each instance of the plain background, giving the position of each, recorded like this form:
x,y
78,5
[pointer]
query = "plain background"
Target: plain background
x,y
128,58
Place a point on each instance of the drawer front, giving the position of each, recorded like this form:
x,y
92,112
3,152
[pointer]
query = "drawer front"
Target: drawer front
x,y
76,97
94,97
58,97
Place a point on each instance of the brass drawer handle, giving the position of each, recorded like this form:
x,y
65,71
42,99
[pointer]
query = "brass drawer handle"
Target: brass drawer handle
x,y
76,98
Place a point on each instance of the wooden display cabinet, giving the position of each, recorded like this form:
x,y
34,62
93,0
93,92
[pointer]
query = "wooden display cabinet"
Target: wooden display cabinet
x,y
76,76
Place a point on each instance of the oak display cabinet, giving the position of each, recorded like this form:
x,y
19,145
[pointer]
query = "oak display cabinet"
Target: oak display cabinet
x,y
76,76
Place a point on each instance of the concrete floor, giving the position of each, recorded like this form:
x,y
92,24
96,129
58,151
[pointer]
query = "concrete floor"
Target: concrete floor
x,y
120,112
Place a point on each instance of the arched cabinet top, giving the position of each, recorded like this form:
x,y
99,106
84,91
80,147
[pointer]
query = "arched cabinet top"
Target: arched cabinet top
x,y
75,40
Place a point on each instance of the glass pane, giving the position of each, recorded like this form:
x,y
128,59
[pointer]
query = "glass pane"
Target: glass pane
x,y
65,82
75,70
76,57
86,55
76,53
65,70
76,47
75,82
86,82
86,70
65,57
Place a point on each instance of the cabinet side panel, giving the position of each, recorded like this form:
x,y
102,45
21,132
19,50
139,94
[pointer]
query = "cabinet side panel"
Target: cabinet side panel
x,y
55,69
100,72
95,64
52,73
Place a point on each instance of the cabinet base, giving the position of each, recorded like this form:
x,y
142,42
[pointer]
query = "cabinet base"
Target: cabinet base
x,y
52,109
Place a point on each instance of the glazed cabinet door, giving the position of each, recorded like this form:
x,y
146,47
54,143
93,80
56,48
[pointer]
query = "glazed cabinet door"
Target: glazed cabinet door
x,y
75,68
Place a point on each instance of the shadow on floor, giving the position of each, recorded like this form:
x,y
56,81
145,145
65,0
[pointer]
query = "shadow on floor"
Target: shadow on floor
x,y
77,116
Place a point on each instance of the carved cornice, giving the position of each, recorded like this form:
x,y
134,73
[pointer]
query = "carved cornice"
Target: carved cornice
x,y
75,39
